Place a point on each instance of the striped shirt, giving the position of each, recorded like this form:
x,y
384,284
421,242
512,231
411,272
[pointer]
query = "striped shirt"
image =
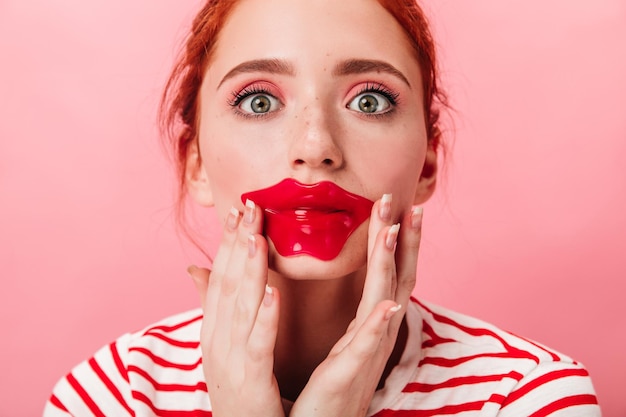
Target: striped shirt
x,y
452,365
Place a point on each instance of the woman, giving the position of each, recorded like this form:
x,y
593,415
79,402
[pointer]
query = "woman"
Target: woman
x,y
316,140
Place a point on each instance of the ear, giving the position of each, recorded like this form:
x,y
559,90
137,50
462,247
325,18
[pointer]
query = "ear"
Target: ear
x,y
428,178
196,178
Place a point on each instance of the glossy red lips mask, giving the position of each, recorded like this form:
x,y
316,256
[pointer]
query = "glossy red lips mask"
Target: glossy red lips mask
x,y
312,219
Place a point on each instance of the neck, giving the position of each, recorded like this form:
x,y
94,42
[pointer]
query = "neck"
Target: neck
x,y
314,315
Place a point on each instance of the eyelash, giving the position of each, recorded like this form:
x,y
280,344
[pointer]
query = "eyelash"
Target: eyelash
x,y
380,89
238,97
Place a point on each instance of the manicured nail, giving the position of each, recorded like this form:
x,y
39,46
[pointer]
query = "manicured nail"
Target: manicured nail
x,y
392,236
416,217
191,269
233,218
385,207
269,296
250,212
392,311
251,245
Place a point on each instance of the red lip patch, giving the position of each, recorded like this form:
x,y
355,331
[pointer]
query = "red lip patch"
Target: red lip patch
x,y
310,219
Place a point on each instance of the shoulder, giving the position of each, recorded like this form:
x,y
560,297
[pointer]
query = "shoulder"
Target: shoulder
x,y
444,330
467,364
147,370
175,336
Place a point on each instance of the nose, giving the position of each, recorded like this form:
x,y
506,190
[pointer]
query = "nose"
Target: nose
x,y
315,142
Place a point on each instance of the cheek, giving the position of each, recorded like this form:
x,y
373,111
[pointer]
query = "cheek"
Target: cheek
x,y
236,166
397,169
223,165
220,161
396,157
404,176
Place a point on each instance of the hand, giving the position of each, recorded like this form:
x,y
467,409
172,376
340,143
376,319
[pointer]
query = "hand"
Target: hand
x,y
240,322
345,382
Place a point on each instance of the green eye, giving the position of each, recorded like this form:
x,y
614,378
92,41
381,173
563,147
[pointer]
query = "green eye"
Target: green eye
x,y
370,103
259,104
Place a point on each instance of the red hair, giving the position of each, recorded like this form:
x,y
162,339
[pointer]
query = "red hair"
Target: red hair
x,y
415,24
178,112
179,103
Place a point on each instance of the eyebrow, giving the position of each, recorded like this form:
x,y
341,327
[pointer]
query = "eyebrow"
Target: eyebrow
x,y
272,66
360,66
282,67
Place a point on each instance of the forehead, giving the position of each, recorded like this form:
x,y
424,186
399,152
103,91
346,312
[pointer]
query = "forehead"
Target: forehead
x,y
312,33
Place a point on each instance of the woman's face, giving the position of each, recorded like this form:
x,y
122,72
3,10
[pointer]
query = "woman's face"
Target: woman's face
x,y
316,91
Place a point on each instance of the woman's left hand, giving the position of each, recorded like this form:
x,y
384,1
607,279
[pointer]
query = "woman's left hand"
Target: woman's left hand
x,y
344,383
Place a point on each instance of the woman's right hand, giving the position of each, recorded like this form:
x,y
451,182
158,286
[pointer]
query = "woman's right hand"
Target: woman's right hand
x,y
240,322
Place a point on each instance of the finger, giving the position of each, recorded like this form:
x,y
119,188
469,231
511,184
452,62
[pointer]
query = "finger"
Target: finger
x,y
235,274
366,343
379,218
381,272
228,239
262,340
218,270
235,267
252,289
200,277
407,254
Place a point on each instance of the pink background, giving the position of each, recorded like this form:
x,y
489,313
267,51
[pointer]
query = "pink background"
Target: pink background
x,y
527,230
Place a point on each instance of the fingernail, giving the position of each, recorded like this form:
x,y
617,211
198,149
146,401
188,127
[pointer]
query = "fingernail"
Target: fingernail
x,y
385,207
269,296
250,212
233,218
416,217
191,269
251,246
392,311
392,236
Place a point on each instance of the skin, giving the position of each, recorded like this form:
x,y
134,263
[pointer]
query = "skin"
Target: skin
x,y
292,342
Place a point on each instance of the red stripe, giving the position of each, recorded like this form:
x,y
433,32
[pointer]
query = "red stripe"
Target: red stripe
x,y
54,400
200,386
456,382
170,413
168,329
446,410
452,362
497,398
435,339
554,356
173,342
165,363
118,361
428,329
550,376
583,399
469,330
481,332
84,396
109,384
